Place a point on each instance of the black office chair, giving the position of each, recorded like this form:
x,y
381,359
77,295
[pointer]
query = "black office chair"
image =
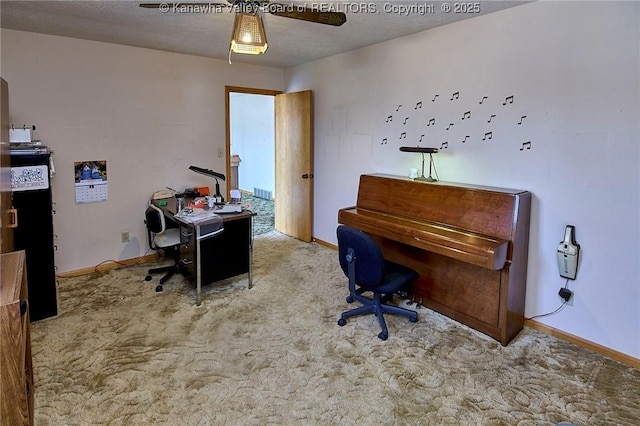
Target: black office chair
x,y
161,238
362,262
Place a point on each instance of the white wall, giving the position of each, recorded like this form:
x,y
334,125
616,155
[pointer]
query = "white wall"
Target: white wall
x,y
573,69
252,138
150,114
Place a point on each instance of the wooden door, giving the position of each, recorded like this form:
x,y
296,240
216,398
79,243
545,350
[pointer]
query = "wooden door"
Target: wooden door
x,y
294,164
6,233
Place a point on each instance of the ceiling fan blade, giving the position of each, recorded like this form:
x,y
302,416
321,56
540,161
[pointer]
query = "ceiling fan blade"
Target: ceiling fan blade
x,y
328,18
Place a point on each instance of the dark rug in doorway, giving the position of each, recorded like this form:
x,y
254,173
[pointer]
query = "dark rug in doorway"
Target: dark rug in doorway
x,y
264,220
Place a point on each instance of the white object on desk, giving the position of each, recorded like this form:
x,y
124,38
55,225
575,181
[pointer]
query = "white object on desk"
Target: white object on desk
x,y
195,214
229,208
162,194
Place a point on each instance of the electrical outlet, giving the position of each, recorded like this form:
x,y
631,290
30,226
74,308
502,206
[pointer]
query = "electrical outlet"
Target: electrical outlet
x,y
220,152
566,295
124,236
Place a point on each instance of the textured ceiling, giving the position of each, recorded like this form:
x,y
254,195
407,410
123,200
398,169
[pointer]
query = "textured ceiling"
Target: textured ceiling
x,y
291,42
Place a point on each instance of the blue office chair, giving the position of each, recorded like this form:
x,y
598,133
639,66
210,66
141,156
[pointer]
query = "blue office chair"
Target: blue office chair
x,y
362,262
162,238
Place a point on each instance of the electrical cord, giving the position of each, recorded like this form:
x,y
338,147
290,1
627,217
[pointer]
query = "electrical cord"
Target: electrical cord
x,y
96,268
561,307
140,259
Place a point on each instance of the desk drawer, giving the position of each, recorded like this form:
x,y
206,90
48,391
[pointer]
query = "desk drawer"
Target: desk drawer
x,y
187,236
187,233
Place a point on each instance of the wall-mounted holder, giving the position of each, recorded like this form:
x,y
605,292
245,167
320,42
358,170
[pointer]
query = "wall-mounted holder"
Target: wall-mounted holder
x,y
432,167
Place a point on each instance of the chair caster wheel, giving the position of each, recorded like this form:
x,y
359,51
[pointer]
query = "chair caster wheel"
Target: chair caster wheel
x,y
349,299
383,335
158,288
148,278
413,319
341,322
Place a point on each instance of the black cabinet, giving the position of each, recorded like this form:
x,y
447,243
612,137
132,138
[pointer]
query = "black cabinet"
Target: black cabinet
x,y
33,201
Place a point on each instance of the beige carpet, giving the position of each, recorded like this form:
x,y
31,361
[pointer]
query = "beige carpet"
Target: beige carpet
x,y
121,354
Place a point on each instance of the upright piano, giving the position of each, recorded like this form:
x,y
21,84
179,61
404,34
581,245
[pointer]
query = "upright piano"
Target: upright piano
x,y
469,244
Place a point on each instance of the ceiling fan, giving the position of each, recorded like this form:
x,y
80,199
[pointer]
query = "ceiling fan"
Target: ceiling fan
x,y
286,10
248,35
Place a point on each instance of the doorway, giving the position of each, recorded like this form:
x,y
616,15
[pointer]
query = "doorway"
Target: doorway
x,y
293,159
250,151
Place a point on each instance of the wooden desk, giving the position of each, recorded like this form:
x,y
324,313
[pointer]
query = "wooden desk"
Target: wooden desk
x,y
223,255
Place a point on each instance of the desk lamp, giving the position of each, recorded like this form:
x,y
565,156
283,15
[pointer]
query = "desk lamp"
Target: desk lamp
x,y
212,174
423,150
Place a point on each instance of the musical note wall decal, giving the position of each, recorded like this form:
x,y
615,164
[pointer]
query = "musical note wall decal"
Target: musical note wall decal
x,y
526,145
508,99
412,120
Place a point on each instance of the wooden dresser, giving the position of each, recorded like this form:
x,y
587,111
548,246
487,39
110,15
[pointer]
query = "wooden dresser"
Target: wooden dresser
x,y
468,243
16,373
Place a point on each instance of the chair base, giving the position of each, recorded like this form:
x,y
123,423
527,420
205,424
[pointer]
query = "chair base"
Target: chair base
x,y
170,270
379,308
